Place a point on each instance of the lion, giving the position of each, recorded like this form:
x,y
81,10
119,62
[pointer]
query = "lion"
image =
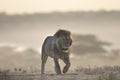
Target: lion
x,y
57,47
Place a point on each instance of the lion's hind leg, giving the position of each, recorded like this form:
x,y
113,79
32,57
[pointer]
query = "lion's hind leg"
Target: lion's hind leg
x,y
44,59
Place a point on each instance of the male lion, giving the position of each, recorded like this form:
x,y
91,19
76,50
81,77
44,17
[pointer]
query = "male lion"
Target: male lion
x,y
57,47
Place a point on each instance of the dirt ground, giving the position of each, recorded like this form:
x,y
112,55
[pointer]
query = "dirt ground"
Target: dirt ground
x,y
68,76
97,73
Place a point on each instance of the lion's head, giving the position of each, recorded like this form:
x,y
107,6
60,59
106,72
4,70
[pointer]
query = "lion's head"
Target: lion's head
x,y
63,40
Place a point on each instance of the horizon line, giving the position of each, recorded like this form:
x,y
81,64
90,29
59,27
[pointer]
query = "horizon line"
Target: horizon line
x,y
80,11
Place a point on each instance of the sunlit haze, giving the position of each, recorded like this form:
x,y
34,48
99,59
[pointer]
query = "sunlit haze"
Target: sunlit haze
x,y
32,6
24,43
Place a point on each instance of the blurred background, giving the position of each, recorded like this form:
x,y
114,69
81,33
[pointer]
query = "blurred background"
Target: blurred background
x,y
24,24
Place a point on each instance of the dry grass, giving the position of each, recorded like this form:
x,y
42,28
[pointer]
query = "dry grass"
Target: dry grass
x,y
96,73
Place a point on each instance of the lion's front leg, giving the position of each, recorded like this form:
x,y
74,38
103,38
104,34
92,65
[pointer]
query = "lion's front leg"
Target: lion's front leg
x,y
57,66
67,62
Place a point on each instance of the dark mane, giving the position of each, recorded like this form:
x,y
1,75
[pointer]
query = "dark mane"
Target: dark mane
x,y
62,32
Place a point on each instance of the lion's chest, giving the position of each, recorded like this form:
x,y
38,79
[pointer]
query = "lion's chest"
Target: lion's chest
x,y
60,55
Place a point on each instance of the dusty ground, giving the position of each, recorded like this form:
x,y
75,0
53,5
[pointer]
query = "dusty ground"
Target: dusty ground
x,y
68,76
96,73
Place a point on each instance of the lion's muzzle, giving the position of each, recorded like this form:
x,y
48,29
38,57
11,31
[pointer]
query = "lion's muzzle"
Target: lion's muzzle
x,y
65,49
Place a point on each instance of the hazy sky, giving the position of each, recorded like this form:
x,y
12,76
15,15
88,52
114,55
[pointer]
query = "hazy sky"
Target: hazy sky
x,y
31,6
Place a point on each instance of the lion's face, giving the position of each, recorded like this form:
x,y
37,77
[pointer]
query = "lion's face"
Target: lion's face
x,y
64,42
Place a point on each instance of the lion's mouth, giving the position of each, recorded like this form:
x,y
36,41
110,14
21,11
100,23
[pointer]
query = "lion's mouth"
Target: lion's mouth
x,y
65,49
